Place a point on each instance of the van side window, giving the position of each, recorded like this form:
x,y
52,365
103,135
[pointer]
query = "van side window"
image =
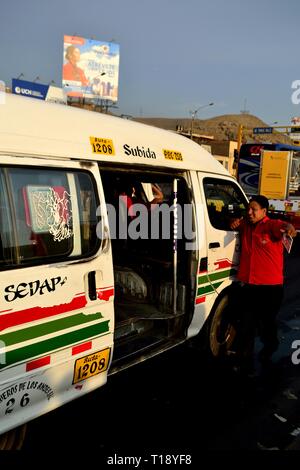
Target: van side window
x,y
46,214
224,200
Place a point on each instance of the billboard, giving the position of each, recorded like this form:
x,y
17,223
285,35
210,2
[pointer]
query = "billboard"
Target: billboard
x,y
29,89
90,68
56,95
274,175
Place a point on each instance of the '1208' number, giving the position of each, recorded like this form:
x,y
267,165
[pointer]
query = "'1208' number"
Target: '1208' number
x,y
102,148
91,365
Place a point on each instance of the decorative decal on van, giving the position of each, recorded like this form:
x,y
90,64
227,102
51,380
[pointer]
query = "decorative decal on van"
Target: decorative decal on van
x,y
56,334
102,146
28,315
21,394
48,209
31,288
209,282
105,294
224,263
172,155
139,151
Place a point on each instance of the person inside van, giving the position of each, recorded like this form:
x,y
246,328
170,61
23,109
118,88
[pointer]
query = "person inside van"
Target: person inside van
x,y
133,193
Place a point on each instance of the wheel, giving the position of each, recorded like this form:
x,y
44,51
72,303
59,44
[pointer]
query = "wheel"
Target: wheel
x,y
221,331
13,439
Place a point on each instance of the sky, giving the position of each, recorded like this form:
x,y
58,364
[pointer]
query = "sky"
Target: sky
x,y
175,55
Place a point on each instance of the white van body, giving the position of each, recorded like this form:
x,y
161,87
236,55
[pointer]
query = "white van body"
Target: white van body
x,y
73,307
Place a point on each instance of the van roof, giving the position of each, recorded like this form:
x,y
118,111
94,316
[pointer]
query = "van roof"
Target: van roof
x,y
36,128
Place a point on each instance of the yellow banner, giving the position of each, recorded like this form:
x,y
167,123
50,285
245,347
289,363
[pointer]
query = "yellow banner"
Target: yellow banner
x,y
274,174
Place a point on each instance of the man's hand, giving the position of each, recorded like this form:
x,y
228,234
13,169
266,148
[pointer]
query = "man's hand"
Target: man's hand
x,y
290,230
234,223
157,193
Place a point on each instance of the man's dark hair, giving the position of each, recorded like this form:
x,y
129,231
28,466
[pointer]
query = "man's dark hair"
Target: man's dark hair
x,y
261,200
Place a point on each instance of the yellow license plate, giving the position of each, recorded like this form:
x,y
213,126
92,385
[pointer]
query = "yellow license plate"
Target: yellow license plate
x,y
91,365
172,155
102,146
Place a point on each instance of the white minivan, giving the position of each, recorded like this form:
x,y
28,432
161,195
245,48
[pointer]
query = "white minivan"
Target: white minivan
x,y
115,247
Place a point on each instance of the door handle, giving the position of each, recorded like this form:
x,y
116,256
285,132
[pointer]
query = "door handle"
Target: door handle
x,y
214,245
92,285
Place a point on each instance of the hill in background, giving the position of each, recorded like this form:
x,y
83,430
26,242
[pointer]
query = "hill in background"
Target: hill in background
x,y
223,127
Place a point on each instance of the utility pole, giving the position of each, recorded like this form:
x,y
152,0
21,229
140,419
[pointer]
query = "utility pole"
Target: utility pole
x,y
239,136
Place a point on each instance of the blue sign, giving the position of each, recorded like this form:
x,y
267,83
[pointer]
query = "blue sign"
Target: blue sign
x,y
30,89
263,130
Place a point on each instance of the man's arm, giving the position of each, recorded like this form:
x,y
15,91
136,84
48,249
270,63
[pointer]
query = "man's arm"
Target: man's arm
x,y
279,227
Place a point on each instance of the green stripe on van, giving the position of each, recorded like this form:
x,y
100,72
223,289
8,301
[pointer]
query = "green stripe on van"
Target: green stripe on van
x,y
216,275
47,328
50,345
208,289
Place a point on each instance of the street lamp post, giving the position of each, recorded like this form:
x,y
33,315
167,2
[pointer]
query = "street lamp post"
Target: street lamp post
x,y
193,114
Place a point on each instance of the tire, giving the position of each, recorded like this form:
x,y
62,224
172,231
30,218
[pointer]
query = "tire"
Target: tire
x,y
221,332
13,439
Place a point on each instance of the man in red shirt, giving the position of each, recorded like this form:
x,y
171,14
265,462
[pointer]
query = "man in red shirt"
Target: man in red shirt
x,y
261,277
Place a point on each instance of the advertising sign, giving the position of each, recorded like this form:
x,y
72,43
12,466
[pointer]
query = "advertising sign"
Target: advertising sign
x,y
91,68
29,89
262,130
274,174
56,95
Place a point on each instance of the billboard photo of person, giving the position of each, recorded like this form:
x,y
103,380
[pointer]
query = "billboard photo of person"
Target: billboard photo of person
x,y
71,71
91,68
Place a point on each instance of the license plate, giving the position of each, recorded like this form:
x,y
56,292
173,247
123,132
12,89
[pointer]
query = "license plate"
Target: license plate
x,y
93,364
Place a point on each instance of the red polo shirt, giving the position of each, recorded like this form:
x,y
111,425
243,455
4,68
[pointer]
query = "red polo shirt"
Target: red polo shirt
x,y
72,72
261,260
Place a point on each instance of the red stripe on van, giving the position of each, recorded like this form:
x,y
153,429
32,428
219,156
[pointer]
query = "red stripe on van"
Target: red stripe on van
x,y
37,313
105,294
200,300
223,263
81,347
44,361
